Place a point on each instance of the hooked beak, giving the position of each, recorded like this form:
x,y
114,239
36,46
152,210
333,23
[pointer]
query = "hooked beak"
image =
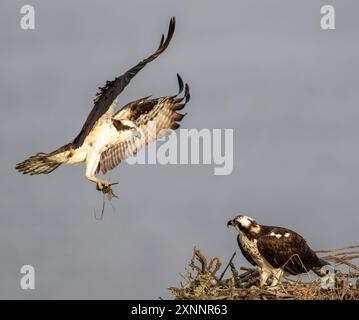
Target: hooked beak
x,y
230,223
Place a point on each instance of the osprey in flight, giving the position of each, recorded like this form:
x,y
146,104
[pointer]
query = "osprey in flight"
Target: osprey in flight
x,y
107,137
274,250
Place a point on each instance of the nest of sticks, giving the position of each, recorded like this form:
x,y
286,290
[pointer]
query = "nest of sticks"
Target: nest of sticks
x,y
203,281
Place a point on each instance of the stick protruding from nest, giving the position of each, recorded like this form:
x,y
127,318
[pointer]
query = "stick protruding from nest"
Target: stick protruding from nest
x,y
204,284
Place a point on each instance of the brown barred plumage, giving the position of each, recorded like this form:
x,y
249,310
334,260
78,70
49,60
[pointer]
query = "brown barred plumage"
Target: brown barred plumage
x,y
110,91
275,249
107,138
161,111
44,162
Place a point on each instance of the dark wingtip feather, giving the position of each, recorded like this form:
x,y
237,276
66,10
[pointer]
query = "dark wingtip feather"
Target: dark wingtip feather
x,y
180,83
175,126
186,93
178,106
172,24
179,116
161,42
171,30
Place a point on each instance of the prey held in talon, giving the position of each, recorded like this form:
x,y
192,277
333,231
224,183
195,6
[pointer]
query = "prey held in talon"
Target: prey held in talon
x,y
108,137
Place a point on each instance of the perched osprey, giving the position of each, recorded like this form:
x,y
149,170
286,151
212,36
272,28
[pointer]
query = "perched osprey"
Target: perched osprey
x,y
107,137
275,250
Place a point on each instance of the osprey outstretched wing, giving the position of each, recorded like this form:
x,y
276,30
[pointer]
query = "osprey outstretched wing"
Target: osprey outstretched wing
x,y
108,93
153,118
107,137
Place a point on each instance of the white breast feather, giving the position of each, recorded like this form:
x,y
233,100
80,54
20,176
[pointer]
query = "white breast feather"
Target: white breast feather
x,y
250,246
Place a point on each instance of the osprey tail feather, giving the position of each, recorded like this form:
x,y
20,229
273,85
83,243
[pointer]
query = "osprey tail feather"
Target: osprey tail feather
x,y
37,164
318,268
43,162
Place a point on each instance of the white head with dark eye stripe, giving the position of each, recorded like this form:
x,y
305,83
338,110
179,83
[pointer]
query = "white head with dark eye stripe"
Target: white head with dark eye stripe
x,y
245,224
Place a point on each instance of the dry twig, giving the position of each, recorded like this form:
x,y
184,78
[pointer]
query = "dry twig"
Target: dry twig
x,y
205,284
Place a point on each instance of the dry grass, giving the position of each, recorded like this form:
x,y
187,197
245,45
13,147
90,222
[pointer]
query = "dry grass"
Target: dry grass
x,y
203,282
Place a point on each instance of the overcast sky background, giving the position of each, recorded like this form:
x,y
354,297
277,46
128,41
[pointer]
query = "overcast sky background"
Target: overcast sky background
x,y
264,68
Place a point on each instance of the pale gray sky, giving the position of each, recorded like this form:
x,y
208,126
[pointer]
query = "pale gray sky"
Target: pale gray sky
x,y
264,68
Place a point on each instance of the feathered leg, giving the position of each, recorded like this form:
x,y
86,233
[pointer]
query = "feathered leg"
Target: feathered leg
x,y
92,161
264,275
276,277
